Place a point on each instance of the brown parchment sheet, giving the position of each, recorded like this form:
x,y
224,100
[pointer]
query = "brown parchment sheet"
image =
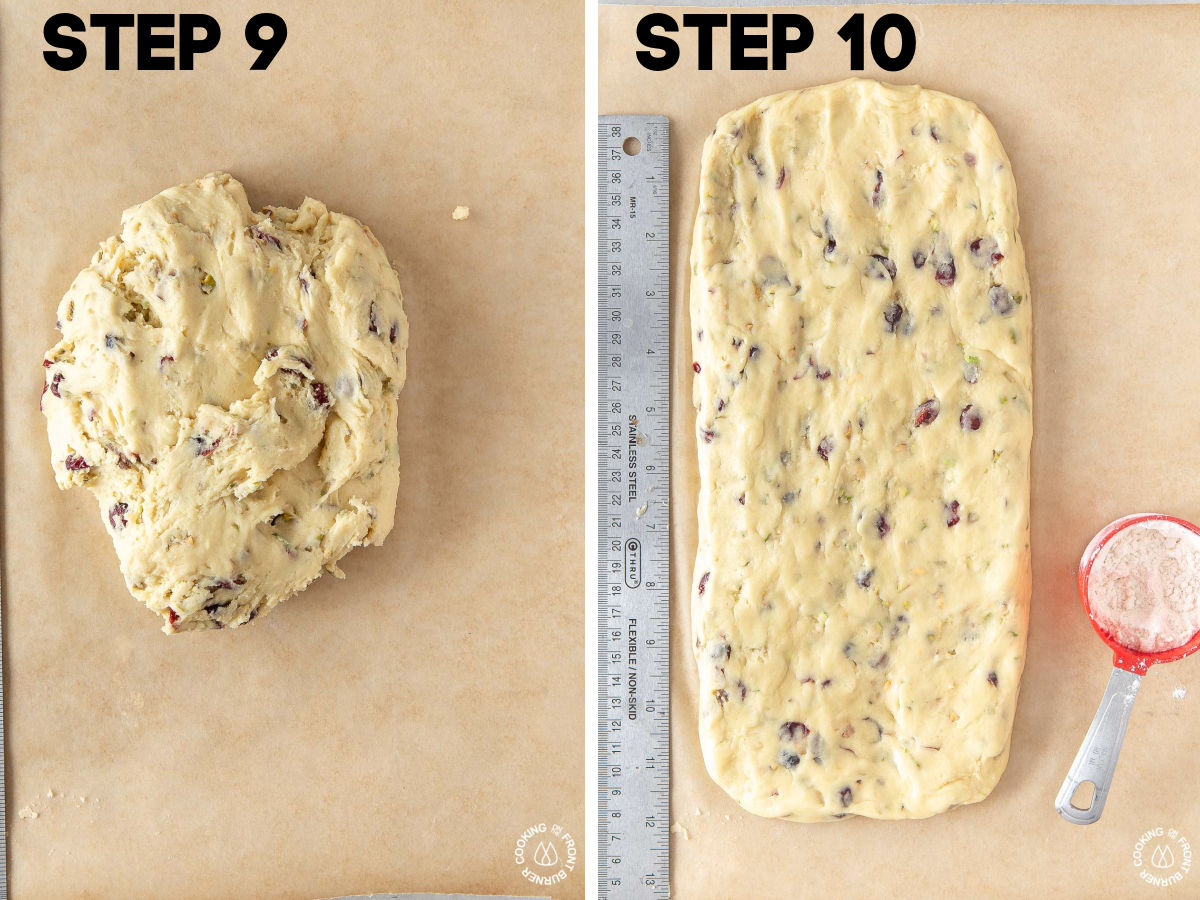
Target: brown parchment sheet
x,y
1096,107
396,731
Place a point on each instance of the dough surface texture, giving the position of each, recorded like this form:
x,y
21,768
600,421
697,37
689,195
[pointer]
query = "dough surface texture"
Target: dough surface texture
x,y
861,330
226,386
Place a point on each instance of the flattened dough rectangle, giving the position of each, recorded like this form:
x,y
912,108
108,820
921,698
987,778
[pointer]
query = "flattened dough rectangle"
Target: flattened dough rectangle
x,y
861,331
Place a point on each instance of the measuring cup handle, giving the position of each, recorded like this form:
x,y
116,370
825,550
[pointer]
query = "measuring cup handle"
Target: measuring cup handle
x,y
1097,757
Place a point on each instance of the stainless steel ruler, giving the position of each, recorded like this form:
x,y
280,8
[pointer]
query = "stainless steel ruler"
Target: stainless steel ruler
x,y
633,370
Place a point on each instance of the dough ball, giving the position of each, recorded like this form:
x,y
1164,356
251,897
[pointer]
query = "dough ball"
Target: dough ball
x,y
226,387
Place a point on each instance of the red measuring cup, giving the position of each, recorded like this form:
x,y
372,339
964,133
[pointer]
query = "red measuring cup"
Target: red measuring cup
x,y
1097,757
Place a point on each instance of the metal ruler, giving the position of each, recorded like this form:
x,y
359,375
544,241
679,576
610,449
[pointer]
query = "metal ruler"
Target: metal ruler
x,y
633,371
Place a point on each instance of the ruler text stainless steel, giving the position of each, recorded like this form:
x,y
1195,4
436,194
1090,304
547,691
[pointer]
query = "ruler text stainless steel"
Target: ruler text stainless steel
x,y
633,370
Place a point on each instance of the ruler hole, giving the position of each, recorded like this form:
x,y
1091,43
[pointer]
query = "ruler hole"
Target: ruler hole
x,y
632,146
1083,796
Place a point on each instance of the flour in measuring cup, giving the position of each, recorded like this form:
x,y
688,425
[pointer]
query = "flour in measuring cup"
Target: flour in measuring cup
x,y
1144,585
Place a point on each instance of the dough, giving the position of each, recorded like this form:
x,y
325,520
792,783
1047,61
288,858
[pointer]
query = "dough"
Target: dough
x,y
226,387
861,333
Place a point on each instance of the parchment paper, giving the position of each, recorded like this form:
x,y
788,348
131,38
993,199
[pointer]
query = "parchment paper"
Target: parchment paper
x,y
396,731
1097,109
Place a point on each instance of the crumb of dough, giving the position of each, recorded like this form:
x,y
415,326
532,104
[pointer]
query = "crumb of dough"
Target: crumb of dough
x,y
28,812
460,213
680,830
1179,693
50,793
